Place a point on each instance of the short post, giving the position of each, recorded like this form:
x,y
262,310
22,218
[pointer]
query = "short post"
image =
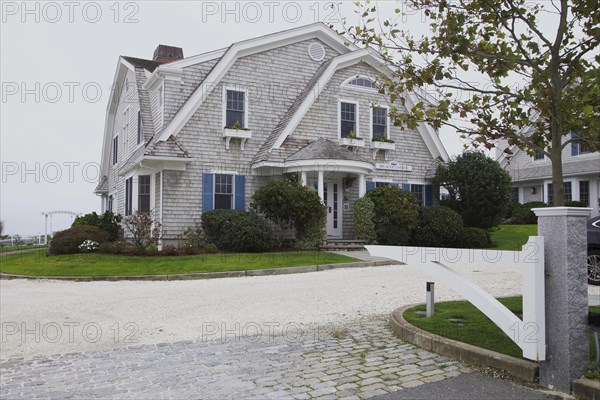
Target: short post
x,y
430,301
565,246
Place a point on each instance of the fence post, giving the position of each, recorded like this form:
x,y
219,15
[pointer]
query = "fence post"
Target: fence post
x,y
430,300
565,246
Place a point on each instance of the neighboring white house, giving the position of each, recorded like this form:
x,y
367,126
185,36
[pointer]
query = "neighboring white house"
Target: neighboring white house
x,y
532,176
188,135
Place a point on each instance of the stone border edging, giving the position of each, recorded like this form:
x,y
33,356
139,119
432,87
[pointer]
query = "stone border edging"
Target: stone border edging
x,y
586,389
522,369
207,275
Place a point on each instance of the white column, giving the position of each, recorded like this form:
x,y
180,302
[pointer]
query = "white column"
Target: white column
x,y
362,185
320,186
303,177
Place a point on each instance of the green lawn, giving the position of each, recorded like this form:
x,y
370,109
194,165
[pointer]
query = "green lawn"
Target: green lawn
x,y
512,237
461,321
13,248
38,264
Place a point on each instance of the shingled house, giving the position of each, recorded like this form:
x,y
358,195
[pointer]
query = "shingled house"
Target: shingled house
x,y
188,135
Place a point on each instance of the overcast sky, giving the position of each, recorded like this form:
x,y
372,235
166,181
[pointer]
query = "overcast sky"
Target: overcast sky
x,y
58,61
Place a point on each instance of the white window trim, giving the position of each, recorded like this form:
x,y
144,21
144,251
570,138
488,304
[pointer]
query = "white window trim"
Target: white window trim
x,y
161,102
387,120
214,192
339,119
126,130
346,84
224,108
114,203
112,154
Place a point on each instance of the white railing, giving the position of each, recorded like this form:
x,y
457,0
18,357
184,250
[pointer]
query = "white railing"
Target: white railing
x,y
530,332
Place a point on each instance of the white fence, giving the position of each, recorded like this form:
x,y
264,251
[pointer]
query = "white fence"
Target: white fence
x,y
530,332
31,240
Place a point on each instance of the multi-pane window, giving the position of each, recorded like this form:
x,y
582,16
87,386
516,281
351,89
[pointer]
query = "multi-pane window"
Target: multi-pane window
x,y
539,155
140,132
347,119
128,196
568,193
550,194
584,148
144,193
417,190
109,203
234,111
223,191
363,82
584,192
514,195
379,122
115,152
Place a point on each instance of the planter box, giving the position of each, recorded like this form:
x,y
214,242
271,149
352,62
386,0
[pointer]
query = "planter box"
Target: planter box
x,y
243,135
352,142
385,146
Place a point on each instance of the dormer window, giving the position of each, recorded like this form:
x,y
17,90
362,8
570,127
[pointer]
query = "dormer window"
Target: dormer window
x,y
235,111
347,120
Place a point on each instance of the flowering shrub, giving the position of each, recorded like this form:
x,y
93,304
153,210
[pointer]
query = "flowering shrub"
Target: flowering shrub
x,y
169,250
88,246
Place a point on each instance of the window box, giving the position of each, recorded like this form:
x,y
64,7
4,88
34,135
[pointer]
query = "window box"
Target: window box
x,y
379,145
352,142
242,134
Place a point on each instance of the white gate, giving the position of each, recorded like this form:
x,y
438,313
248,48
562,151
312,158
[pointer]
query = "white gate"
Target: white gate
x,y
530,332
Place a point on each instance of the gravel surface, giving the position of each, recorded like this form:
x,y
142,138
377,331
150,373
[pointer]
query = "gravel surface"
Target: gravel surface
x,y
47,317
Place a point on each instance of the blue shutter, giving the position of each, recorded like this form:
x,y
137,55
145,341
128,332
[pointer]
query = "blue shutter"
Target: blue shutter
x,y
406,187
370,186
207,192
428,195
574,146
240,192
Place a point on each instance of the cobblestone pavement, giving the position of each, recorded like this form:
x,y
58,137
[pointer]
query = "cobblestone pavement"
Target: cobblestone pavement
x,y
358,361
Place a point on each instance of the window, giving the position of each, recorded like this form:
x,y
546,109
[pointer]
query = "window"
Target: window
x,y
128,196
514,195
417,190
539,155
380,122
139,128
223,191
584,148
347,119
584,192
363,82
126,128
144,193
234,109
382,184
568,193
550,194
109,203
115,149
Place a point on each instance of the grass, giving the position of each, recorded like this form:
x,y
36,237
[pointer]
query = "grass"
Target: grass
x,y
461,321
39,264
28,247
512,237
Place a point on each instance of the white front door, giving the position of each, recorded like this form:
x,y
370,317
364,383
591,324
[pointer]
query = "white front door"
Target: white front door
x,y
332,197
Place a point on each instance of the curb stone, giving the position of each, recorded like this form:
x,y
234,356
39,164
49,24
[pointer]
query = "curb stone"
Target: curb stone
x,y
519,368
206,275
586,389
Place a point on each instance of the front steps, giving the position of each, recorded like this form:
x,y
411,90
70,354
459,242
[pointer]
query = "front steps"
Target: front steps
x,y
343,244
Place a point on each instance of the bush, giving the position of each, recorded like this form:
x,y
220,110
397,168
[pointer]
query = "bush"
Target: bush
x,y
476,238
68,241
438,226
237,230
288,204
192,240
210,248
574,203
523,214
478,187
396,215
364,216
144,230
169,250
117,247
108,222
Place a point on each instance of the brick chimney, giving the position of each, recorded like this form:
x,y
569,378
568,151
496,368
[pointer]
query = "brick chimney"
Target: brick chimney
x,y
166,54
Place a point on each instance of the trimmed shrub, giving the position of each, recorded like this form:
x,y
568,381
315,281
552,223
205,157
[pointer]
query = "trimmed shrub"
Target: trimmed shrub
x,y
108,222
476,238
523,214
237,230
69,240
439,226
574,203
396,215
364,215
117,247
210,248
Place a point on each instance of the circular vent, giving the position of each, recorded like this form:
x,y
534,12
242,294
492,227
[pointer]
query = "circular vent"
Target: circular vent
x,y
316,51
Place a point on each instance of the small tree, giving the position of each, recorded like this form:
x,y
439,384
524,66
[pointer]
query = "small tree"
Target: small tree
x,y
364,215
144,230
108,222
396,214
479,189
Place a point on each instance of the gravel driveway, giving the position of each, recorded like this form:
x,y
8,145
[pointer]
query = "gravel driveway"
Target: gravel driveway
x,y
49,317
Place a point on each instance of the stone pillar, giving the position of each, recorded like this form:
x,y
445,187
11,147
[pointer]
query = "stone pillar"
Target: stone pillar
x,y
362,185
321,185
565,242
